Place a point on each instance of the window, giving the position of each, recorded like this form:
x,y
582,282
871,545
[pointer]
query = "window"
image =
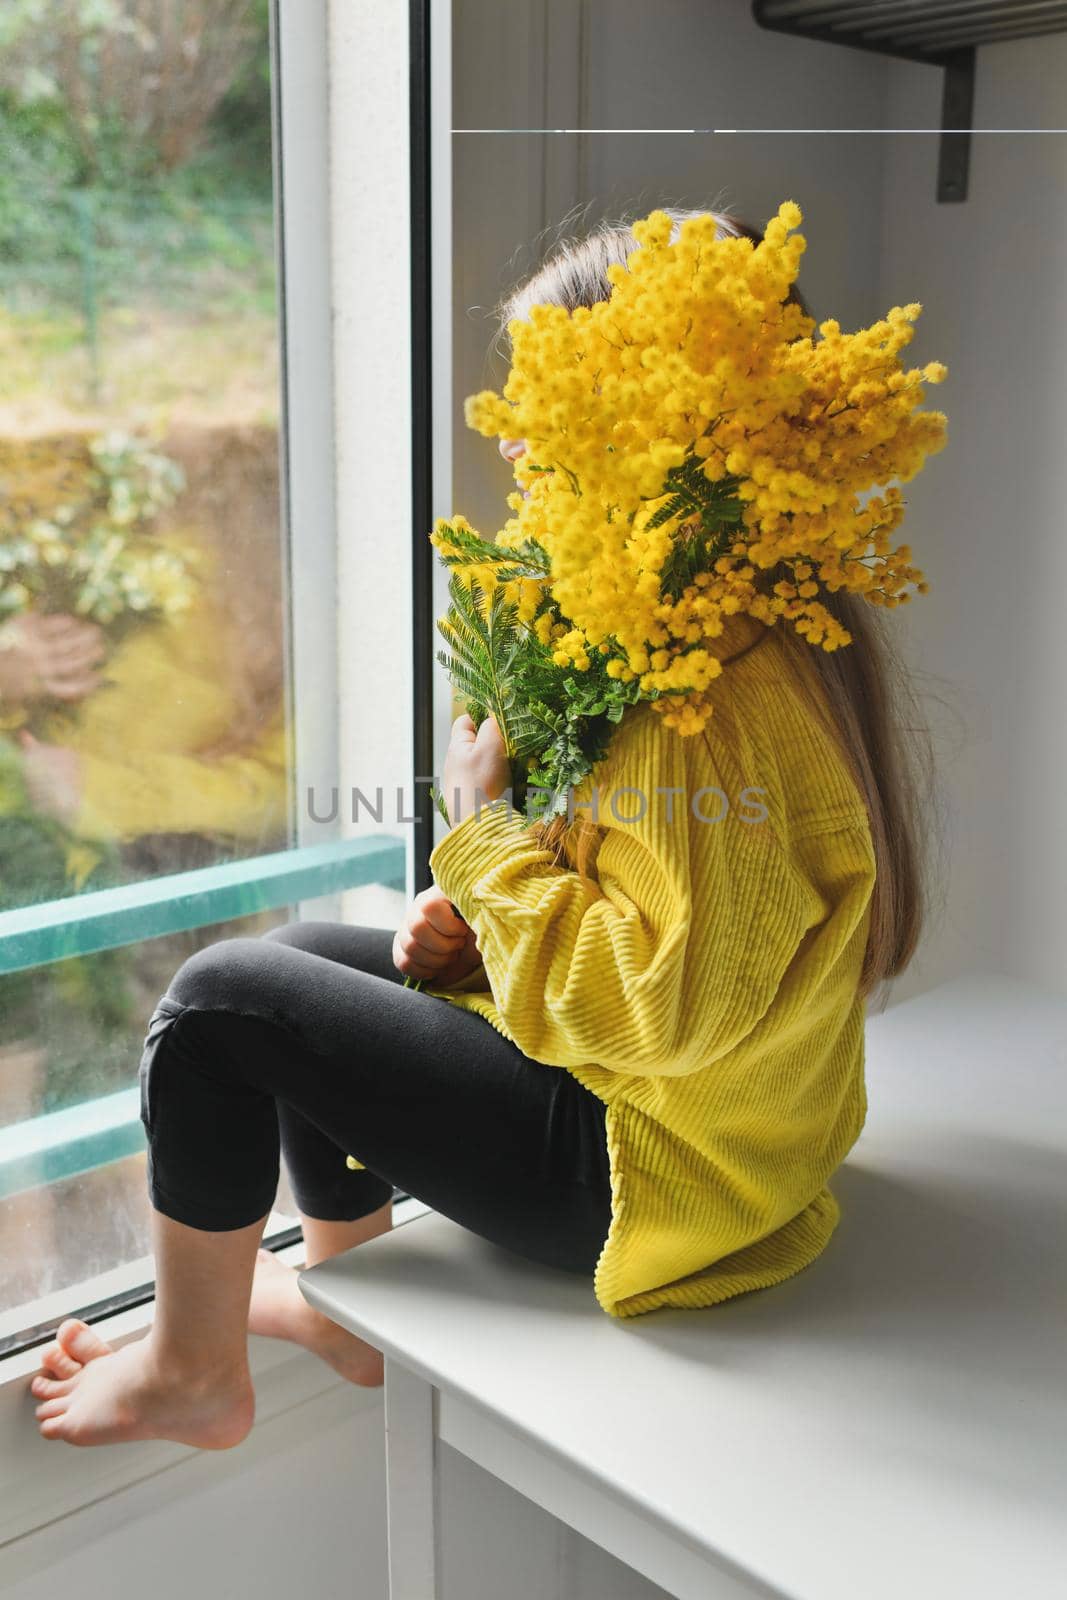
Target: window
x,y
169,654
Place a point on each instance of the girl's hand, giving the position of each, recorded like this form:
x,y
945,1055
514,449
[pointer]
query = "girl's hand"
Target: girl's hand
x,y
53,776
477,769
434,941
49,654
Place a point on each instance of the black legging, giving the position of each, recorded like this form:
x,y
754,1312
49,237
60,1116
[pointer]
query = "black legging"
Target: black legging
x,y
306,1042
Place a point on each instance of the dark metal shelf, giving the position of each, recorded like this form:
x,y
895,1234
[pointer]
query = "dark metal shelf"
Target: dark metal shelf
x,y
940,33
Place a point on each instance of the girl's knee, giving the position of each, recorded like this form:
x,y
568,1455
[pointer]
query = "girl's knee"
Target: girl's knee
x,y
227,975
305,935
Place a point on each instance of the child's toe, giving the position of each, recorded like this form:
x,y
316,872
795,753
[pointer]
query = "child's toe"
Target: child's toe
x,y
46,1388
57,1363
81,1342
52,1408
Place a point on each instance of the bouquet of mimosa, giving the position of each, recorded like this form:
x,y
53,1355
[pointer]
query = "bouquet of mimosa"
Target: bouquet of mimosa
x,y
692,451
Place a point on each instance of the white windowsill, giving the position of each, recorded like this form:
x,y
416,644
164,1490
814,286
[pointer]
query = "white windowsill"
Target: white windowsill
x,y
43,1482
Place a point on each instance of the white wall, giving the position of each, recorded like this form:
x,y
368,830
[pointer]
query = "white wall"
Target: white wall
x,y
991,275
298,1507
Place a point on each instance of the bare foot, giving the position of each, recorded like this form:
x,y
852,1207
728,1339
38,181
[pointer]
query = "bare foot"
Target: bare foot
x,y
279,1311
91,1393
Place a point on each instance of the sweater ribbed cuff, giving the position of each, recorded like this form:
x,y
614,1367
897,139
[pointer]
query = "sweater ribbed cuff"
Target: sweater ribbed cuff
x,y
480,842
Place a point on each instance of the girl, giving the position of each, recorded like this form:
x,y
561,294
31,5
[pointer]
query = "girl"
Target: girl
x,y
641,1057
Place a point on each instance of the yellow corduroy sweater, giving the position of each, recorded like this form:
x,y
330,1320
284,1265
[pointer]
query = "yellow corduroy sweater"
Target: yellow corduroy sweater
x,y
702,981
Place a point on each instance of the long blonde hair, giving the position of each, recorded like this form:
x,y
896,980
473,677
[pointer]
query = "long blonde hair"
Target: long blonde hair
x,y
862,691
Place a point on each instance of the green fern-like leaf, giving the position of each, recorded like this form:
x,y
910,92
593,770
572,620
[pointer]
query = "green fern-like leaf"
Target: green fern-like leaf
x,y
556,722
674,507
485,639
716,512
466,549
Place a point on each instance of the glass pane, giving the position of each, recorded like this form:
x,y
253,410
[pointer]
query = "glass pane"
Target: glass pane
x,y
73,1197
143,728
142,663
148,714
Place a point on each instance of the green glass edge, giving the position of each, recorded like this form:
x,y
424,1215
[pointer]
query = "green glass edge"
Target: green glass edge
x,y
105,919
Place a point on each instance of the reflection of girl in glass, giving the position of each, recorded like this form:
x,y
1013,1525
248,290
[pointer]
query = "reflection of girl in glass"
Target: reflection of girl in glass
x,y
168,720
162,746
47,658
642,1068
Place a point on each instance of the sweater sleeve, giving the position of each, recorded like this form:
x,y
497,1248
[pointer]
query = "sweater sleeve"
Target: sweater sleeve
x,y
671,953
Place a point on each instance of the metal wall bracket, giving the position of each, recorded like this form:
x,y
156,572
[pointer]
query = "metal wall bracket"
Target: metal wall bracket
x,y
939,33
957,120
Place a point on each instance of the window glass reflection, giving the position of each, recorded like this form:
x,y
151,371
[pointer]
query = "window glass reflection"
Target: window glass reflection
x,y
142,710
